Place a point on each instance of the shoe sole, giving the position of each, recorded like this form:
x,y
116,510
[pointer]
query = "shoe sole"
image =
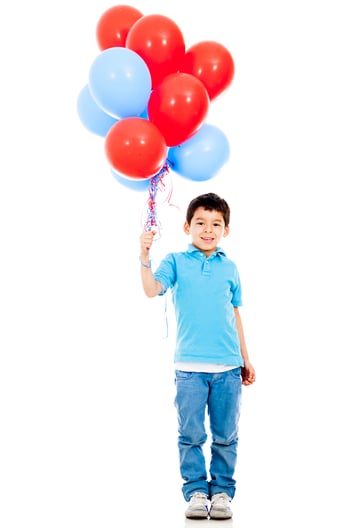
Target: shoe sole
x,y
220,515
201,514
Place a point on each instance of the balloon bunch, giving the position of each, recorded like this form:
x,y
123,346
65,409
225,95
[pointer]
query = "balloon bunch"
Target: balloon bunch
x,y
148,97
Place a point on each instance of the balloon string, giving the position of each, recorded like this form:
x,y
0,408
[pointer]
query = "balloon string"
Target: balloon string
x,y
170,190
155,183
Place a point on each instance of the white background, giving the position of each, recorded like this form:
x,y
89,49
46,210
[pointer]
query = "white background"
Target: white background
x,y
88,428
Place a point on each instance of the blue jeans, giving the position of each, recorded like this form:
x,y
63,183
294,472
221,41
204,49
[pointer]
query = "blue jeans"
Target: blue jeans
x,y
219,394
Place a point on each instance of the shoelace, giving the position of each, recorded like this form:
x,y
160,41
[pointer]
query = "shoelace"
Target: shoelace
x,y
199,495
221,499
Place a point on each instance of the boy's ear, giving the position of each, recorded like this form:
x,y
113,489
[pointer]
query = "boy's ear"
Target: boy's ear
x,y
186,228
226,231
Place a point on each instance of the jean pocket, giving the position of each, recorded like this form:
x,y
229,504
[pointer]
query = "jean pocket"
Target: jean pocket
x,y
182,375
236,372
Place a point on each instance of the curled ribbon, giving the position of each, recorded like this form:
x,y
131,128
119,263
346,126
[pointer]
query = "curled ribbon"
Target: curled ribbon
x,y
155,183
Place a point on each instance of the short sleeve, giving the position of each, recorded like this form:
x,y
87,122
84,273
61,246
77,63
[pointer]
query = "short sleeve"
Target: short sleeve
x,y
236,290
166,273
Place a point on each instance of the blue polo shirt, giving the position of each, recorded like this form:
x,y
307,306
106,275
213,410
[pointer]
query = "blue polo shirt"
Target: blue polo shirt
x,y
204,293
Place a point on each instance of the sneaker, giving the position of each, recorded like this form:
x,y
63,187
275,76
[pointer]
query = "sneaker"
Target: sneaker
x,y
198,506
220,508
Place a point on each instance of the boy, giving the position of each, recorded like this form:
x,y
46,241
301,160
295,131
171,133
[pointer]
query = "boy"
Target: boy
x,y
211,359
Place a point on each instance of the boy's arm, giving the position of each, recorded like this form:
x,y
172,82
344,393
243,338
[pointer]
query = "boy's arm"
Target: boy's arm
x,y
248,372
151,286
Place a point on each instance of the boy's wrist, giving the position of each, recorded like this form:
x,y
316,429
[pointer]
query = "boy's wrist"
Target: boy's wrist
x,y
145,262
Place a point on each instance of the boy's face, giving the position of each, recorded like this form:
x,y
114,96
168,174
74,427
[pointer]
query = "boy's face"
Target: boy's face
x,y
206,229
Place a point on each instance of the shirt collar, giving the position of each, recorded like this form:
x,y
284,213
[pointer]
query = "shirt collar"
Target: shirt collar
x,y
218,251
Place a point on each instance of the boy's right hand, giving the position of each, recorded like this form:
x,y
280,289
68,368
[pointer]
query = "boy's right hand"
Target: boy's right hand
x,y
146,240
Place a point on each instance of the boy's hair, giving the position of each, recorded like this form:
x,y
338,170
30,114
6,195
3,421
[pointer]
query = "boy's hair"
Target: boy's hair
x,y
210,202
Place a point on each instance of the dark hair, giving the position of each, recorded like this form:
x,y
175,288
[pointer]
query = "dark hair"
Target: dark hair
x,y
210,202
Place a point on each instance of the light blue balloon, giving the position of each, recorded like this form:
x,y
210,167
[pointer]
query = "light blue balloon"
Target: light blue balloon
x,y
120,82
200,157
91,115
134,185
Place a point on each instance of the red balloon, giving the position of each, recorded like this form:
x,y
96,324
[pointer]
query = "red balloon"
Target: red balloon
x,y
114,24
160,43
135,147
211,63
178,107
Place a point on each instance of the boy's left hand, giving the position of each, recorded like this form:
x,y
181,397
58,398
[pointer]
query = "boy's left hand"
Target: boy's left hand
x,y
248,374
